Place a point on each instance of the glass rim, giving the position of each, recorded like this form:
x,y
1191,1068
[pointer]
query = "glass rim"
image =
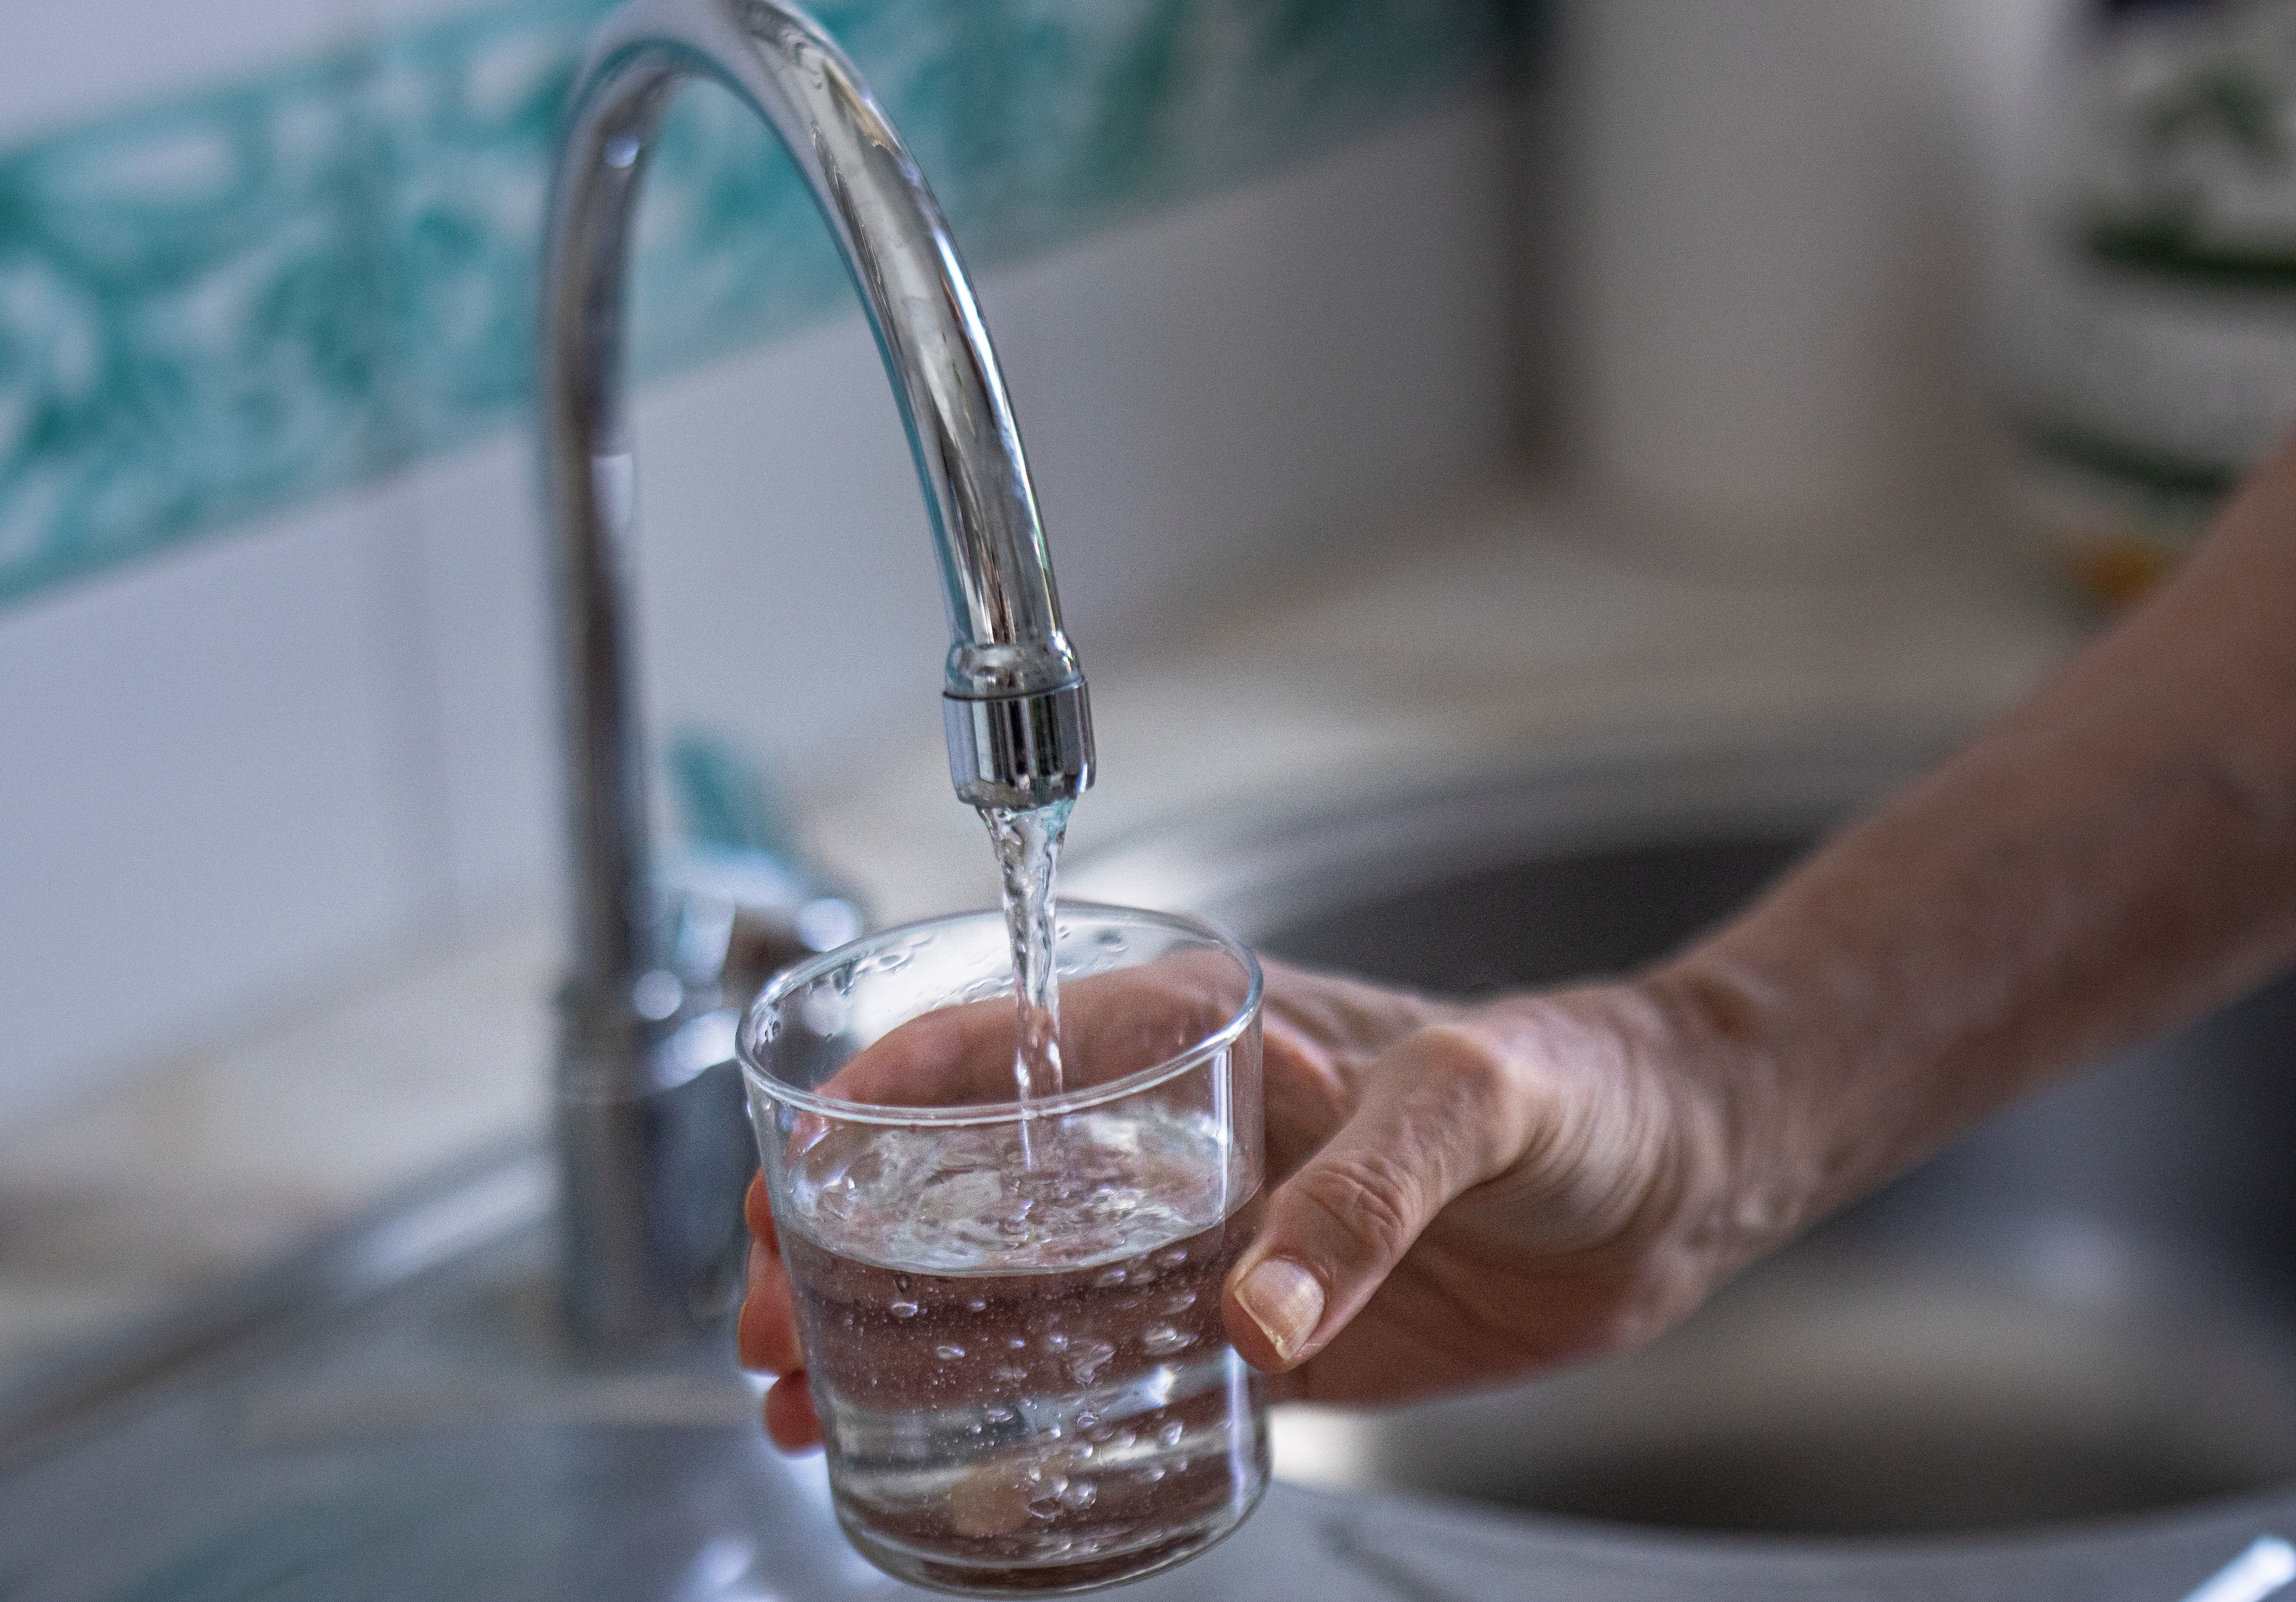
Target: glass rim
x,y
792,978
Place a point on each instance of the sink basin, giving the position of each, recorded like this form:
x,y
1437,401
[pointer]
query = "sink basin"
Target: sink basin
x,y
2086,1309
390,1415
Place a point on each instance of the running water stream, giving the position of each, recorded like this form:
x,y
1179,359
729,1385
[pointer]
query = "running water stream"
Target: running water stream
x,y
1029,852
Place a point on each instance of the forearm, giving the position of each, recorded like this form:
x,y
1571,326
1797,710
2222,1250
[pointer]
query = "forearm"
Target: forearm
x,y
2117,854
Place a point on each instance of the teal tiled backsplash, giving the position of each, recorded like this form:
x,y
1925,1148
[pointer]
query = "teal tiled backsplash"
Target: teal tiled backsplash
x,y
228,304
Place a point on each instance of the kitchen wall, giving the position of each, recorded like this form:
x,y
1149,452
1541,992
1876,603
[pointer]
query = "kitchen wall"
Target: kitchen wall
x,y
273,694
1782,219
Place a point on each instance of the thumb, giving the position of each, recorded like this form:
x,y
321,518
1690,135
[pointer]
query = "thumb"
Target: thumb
x,y
1439,1114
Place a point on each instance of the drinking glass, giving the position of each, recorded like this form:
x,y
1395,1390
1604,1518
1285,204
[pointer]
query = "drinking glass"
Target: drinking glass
x,y
1011,1307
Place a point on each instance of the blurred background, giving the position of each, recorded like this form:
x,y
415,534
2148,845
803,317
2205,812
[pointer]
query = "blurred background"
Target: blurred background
x,y
1414,379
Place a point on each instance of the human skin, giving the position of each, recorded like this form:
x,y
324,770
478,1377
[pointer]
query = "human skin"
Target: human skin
x,y
1468,1193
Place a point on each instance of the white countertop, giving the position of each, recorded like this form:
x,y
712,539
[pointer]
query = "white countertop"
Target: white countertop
x,y
1512,625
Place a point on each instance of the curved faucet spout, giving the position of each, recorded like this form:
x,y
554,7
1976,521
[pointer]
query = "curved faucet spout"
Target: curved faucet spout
x,y
1016,713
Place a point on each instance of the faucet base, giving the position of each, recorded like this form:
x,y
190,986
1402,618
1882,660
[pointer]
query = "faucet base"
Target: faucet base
x,y
651,1239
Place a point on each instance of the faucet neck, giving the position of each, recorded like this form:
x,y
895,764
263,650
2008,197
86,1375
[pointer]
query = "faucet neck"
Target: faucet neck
x,y
1006,642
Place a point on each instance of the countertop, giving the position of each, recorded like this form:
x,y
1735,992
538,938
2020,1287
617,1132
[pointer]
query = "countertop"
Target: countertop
x,y
1516,623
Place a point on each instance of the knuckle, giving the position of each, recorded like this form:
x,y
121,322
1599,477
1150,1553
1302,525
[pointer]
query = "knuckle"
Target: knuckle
x,y
751,1343
764,1335
1369,1198
1469,1070
1468,1109
758,1210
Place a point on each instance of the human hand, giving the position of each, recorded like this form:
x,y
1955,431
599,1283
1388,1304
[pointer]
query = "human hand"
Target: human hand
x,y
1468,1193
1460,1194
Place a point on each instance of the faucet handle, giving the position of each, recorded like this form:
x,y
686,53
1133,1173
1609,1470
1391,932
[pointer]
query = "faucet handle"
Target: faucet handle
x,y
1018,753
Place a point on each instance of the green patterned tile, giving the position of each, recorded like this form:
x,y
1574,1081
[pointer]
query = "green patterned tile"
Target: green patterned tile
x,y
231,303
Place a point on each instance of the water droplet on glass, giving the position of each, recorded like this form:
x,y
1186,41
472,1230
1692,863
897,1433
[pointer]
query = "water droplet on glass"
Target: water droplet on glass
x,y
997,1413
948,1351
1017,1343
1177,1302
1077,1496
1162,1340
1171,1433
976,1306
1172,1257
1110,1278
903,1309
1011,1373
1056,1342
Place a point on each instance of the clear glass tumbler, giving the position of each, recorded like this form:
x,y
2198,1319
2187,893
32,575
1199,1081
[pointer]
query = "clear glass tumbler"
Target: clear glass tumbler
x,y
1010,1309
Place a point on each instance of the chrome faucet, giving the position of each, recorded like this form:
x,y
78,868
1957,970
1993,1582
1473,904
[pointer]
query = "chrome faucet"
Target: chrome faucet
x,y
643,1255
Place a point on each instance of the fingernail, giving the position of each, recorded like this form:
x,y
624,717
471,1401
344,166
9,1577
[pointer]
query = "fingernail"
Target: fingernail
x,y
1285,1300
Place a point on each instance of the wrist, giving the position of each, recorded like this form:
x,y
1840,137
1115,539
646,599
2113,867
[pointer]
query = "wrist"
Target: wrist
x,y
1757,1174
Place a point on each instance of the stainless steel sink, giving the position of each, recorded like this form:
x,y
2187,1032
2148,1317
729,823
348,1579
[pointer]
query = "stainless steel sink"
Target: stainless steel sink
x,y
2075,1314
2086,1309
